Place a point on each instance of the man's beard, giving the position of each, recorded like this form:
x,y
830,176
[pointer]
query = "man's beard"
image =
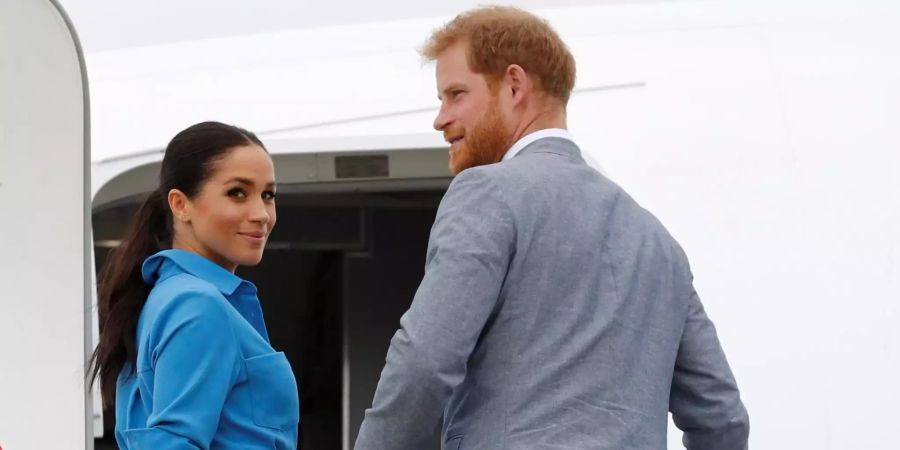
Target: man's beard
x,y
485,143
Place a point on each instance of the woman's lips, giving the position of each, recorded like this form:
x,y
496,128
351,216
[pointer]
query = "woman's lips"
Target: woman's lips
x,y
255,237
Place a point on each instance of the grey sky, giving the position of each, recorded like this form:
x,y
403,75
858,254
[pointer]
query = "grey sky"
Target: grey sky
x,y
116,24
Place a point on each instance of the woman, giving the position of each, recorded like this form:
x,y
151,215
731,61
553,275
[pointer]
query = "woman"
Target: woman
x,y
184,349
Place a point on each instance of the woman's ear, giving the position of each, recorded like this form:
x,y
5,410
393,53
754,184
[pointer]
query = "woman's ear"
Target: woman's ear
x,y
180,205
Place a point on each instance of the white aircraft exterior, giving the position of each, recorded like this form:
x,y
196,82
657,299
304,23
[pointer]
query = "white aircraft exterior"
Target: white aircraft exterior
x,y
763,134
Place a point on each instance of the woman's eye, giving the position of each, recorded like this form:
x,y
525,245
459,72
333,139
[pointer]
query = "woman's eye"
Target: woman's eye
x,y
268,195
237,193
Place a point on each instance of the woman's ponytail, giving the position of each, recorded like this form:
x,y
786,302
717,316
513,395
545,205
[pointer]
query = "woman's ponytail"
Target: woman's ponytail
x,y
122,291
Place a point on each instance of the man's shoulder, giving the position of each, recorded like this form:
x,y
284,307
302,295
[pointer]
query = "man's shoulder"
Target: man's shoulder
x,y
523,168
544,164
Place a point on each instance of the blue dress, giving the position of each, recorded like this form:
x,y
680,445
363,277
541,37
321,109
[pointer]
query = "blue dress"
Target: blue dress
x,y
206,375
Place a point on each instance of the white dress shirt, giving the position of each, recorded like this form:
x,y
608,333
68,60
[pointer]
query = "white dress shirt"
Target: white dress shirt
x,y
531,137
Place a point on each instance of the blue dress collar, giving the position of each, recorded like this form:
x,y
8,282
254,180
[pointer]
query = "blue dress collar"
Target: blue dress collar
x,y
196,265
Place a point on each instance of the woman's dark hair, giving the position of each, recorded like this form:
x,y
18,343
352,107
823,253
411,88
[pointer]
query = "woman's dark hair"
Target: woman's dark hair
x,y
187,164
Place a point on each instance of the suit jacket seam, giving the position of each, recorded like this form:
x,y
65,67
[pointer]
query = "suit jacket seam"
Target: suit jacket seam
x,y
512,253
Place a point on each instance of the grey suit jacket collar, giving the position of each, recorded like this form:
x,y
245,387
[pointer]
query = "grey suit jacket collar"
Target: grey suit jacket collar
x,y
554,145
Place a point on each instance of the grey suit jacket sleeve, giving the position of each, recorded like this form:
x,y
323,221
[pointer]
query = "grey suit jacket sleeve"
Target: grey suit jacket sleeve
x,y
468,254
704,401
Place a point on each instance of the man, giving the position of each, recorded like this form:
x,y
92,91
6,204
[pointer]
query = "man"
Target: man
x,y
555,312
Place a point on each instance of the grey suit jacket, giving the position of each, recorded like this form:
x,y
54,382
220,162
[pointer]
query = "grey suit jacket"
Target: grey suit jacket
x,y
555,313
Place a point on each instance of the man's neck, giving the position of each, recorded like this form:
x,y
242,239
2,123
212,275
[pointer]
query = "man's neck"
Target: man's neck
x,y
541,120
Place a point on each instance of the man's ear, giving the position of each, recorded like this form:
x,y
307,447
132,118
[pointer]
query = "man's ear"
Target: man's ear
x,y
180,205
518,82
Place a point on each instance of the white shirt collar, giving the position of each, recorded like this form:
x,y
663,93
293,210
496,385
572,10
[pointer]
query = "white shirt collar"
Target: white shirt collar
x,y
531,137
